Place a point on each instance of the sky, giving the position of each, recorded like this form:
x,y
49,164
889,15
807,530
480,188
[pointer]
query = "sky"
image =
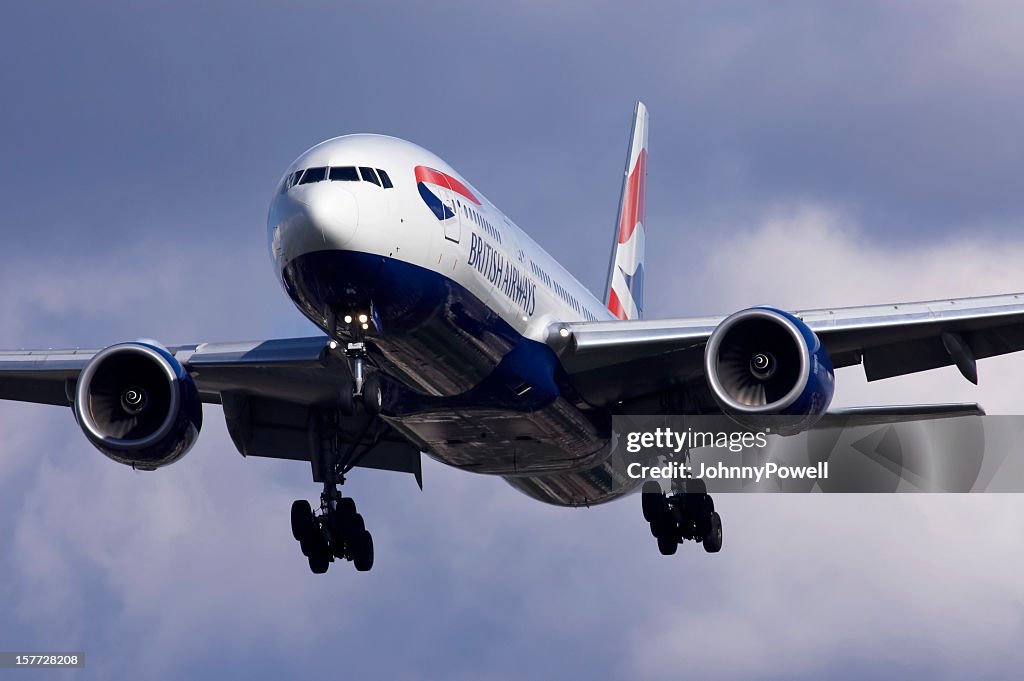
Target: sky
x,y
801,154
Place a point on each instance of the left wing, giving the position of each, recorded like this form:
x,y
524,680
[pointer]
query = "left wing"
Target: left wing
x,y
619,361
271,391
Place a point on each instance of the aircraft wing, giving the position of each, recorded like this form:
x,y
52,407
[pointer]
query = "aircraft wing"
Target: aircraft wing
x,y
618,361
269,391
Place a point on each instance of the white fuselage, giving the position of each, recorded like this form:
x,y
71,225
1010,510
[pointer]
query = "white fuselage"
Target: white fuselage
x,y
457,302
396,223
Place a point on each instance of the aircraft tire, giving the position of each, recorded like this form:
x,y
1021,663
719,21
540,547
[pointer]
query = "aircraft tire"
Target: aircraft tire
x,y
667,545
652,501
662,526
363,555
373,394
713,539
319,561
302,520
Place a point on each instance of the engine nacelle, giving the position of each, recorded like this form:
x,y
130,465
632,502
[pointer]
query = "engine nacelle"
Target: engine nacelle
x,y
767,369
138,405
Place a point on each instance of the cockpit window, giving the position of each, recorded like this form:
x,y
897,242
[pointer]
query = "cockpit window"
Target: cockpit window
x,y
338,174
369,175
344,174
292,179
313,175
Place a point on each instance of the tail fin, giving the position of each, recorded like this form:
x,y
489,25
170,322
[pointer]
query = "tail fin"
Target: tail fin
x,y
624,292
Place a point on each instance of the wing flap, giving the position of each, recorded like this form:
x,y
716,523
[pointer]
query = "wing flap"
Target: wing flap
x,y
896,413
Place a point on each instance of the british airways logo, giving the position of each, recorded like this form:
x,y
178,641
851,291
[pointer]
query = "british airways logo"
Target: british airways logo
x,y
425,177
502,274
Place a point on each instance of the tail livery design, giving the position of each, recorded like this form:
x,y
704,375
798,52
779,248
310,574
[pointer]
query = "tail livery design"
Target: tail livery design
x,y
625,289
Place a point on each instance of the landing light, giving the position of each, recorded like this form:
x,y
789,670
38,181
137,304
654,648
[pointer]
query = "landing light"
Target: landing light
x,y
366,326
563,332
363,319
333,345
348,319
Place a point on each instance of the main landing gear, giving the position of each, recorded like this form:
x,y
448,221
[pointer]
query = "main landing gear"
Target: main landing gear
x,y
336,531
688,514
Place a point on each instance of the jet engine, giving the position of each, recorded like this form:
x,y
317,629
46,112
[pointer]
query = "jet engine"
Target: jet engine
x,y
138,405
767,369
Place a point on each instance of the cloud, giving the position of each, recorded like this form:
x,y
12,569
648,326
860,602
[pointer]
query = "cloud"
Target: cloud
x,y
813,584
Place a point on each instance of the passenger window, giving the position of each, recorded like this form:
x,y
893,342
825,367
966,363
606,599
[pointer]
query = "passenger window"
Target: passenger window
x,y
313,175
385,180
344,174
369,175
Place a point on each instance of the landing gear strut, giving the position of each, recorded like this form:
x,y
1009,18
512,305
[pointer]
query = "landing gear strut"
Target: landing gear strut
x,y
336,531
686,514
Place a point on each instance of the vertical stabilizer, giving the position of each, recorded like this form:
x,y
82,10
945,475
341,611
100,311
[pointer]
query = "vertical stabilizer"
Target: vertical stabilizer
x,y
624,291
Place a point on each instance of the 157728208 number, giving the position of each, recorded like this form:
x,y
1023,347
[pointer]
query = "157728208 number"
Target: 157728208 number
x,y
34,659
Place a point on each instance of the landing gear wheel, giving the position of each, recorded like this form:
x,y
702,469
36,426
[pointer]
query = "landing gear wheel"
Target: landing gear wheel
x,y
343,523
303,525
373,394
652,501
696,486
667,545
356,526
346,506
662,526
713,539
347,400
319,561
363,554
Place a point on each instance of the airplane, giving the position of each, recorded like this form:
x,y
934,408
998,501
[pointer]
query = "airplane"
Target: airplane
x,y
448,331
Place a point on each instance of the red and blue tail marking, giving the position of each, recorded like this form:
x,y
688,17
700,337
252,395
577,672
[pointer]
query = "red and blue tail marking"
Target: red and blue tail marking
x,y
625,289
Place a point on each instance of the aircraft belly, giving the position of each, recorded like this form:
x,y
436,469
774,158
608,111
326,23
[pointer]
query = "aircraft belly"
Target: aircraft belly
x,y
598,484
475,394
554,438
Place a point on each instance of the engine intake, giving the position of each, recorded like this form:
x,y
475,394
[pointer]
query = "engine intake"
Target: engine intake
x,y
138,405
766,368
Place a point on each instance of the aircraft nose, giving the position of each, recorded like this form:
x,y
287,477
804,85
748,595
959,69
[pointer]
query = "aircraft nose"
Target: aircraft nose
x,y
315,217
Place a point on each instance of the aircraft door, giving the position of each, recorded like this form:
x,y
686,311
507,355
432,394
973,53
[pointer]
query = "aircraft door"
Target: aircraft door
x,y
453,225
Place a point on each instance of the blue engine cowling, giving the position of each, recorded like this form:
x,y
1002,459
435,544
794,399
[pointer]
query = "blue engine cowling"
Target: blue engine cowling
x,y
767,369
138,405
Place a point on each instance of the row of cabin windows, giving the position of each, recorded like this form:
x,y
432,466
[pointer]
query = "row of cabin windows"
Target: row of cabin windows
x,y
540,274
481,221
339,174
566,296
563,294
